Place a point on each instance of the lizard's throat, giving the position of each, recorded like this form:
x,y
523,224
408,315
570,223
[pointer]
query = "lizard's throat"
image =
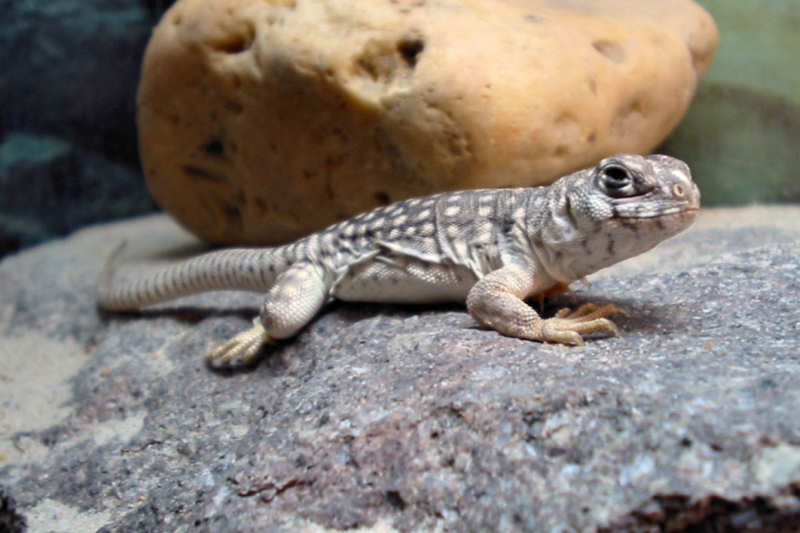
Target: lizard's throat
x,y
615,241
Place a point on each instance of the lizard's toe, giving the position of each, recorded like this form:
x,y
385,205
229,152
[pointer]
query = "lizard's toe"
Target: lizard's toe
x,y
568,327
583,310
590,311
559,330
242,349
596,324
563,312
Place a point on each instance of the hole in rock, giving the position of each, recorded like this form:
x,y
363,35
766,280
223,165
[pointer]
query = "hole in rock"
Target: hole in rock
x,y
238,42
410,50
382,197
214,147
395,500
613,51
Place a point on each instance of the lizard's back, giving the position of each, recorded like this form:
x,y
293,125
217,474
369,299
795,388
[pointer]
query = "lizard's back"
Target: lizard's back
x,y
423,250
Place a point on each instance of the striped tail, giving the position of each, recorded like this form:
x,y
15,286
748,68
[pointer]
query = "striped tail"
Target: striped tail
x,y
250,269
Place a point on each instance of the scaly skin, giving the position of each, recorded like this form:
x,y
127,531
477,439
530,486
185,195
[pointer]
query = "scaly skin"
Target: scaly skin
x,y
493,248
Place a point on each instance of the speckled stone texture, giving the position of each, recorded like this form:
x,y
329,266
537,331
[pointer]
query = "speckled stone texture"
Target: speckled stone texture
x,y
10,520
411,418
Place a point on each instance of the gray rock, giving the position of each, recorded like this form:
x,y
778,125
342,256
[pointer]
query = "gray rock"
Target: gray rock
x,y
411,418
10,520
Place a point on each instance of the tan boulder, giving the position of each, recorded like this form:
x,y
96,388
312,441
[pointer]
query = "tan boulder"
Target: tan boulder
x,y
262,120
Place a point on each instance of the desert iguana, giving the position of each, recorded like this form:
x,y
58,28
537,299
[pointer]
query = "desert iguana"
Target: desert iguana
x,y
492,248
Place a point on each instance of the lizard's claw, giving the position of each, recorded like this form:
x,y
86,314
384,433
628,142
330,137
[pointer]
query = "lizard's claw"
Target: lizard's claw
x,y
240,350
568,325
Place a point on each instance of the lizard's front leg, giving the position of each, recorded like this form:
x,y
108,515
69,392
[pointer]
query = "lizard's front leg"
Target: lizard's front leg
x,y
292,301
496,301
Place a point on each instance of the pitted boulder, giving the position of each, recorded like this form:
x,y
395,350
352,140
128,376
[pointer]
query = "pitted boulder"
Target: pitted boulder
x,y
261,121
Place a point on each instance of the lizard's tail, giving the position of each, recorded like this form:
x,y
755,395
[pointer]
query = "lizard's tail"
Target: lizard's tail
x,y
107,274
230,269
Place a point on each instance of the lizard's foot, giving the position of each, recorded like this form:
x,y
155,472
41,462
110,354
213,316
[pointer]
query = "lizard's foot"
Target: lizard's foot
x,y
242,349
568,325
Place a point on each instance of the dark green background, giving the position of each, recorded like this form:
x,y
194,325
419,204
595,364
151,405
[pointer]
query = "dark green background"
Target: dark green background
x,y
742,134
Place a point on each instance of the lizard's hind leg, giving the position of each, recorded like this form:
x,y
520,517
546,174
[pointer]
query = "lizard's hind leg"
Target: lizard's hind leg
x,y
292,301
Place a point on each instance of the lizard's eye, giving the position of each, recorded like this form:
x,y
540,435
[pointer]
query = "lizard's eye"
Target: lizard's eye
x,y
616,181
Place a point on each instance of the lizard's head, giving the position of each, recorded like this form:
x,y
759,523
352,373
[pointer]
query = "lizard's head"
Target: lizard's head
x,y
656,189
627,204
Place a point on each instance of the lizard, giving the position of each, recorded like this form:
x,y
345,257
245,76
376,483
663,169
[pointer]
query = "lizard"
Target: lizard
x,y
489,248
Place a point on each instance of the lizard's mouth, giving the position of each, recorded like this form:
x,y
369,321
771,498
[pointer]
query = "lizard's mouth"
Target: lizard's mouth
x,y
666,221
684,210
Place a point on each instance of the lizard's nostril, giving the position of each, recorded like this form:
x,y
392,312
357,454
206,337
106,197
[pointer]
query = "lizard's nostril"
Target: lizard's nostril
x,y
678,191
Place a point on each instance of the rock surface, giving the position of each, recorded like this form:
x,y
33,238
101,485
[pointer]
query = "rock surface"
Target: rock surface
x,y
260,121
409,418
10,520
